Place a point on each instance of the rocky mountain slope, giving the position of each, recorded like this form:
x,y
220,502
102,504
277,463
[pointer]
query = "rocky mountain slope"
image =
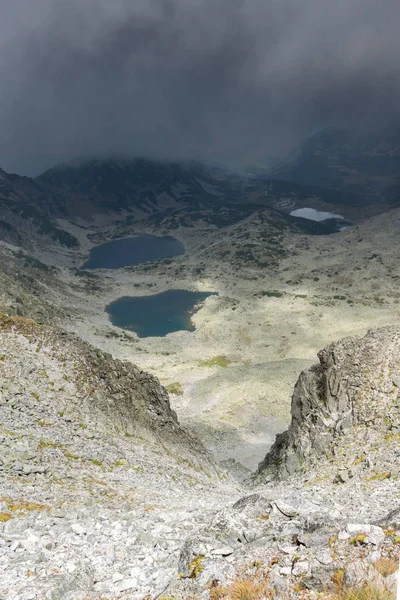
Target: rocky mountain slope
x,y
283,292
99,483
177,193
366,165
348,402
28,214
327,497
103,494
334,170
152,193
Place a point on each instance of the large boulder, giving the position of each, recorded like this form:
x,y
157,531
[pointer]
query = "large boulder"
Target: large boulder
x,y
353,386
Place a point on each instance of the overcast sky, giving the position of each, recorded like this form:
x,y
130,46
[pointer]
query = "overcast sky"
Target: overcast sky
x,y
230,80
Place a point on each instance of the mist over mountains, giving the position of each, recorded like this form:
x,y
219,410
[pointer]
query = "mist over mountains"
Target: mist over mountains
x,y
196,197
233,81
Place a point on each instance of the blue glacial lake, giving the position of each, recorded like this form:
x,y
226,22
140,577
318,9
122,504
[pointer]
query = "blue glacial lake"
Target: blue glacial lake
x,y
157,315
133,251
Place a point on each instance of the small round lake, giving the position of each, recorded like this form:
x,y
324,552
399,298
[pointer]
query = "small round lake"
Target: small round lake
x,y
318,222
157,315
133,251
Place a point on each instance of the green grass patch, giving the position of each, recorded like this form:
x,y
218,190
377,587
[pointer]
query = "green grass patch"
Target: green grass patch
x,y
174,388
380,476
216,361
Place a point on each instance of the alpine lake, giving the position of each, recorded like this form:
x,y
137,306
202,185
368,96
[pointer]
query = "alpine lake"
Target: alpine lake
x,y
154,315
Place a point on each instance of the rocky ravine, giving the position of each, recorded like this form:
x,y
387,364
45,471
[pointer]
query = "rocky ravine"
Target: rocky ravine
x,y
282,293
104,495
98,480
327,501
350,400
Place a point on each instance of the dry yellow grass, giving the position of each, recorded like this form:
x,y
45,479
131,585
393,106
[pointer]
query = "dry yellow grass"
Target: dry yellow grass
x,y
367,592
21,505
245,588
386,566
242,589
4,517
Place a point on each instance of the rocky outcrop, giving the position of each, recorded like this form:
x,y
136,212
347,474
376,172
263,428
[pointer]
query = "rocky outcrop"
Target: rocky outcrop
x,y
353,391
325,511
286,541
29,287
99,484
103,493
28,214
111,395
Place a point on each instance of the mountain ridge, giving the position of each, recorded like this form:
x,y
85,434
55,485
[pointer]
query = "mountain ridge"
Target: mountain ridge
x,y
367,165
107,489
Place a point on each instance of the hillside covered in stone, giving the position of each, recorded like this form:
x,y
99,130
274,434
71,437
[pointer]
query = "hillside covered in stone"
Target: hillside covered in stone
x,y
105,495
345,412
111,488
90,451
286,287
28,214
325,501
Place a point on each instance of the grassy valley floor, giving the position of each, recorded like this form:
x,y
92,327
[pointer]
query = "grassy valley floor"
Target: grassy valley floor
x,y
231,379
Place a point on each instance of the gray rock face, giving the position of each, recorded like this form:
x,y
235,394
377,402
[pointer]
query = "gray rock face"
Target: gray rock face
x,y
77,584
91,508
352,386
99,484
360,572
232,528
112,394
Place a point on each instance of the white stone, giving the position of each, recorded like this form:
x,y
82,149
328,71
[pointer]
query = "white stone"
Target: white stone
x,y
70,566
301,567
225,551
374,556
31,543
325,558
126,584
376,536
78,528
16,544
288,549
354,528
136,572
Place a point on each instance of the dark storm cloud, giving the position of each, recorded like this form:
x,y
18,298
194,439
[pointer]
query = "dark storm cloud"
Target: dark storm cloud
x,y
210,79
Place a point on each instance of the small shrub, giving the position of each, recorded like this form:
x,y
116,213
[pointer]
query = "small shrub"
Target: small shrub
x,y
366,592
4,517
241,589
19,505
358,539
71,456
332,540
196,567
174,388
48,444
216,361
386,566
337,579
